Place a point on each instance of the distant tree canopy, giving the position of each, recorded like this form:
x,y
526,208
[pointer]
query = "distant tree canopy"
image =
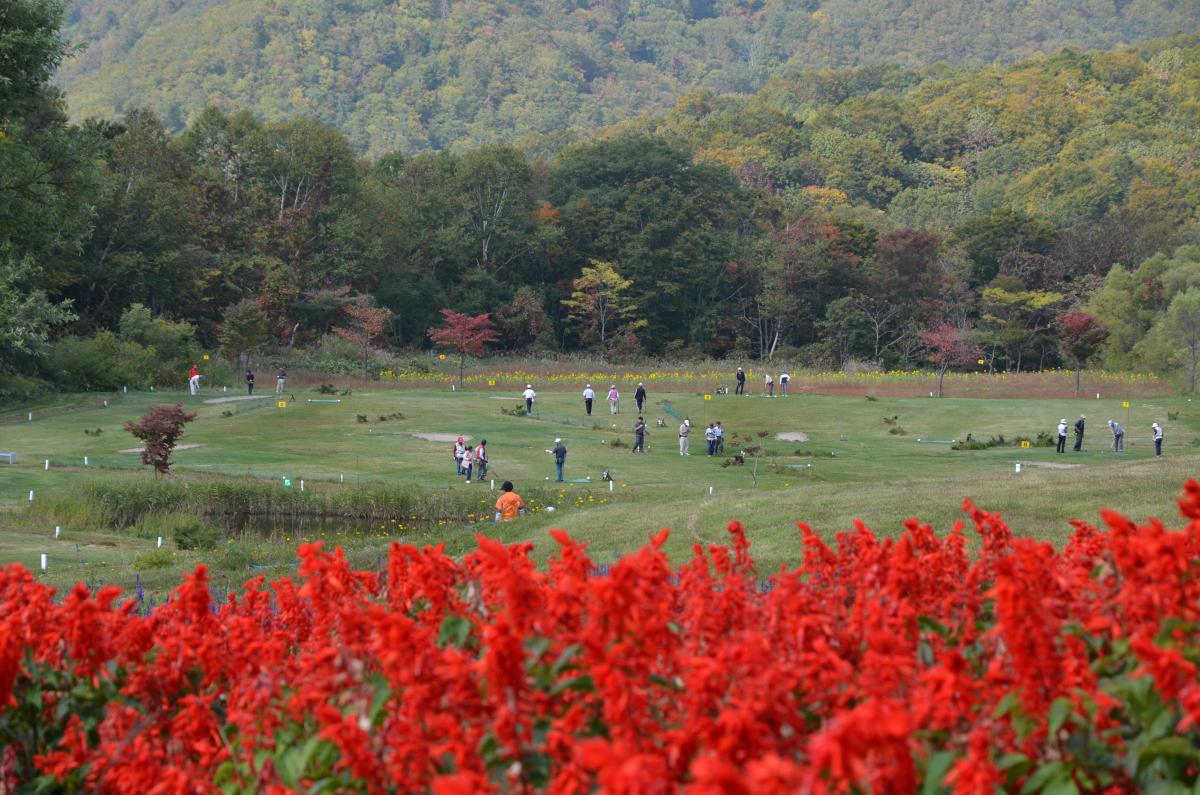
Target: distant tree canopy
x,y
835,215
453,74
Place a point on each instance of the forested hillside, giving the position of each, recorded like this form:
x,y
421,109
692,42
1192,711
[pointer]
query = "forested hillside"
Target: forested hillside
x,y
412,75
1039,214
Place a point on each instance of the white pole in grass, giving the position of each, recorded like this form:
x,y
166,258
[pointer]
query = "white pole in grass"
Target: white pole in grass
x,y
493,485
57,531
43,561
302,485
85,460
1018,467
341,477
610,486
31,495
31,416
124,390
159,546
224,389
106,404
710,491
46,465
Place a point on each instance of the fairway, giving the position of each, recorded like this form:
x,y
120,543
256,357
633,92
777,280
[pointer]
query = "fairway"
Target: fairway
x,y
878,460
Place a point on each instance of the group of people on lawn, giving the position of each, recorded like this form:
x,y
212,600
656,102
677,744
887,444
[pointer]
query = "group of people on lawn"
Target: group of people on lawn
x,y
1118,432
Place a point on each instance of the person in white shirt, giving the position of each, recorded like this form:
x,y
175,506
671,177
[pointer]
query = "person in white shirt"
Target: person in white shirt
x,y
481,460
685,428
588,396
770,384
1062,436
1158,437
614,399
783,382
459,447
467,460
529,396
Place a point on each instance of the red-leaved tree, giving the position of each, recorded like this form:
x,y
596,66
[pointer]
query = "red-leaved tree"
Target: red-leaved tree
x,y
1080,335
365,324
465,334
160,429
948,346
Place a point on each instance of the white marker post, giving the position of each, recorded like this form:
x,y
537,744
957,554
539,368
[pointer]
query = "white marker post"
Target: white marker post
x,y
57,531
46,465
1018,467
224,389
710,491
302,485
124,390
493,485
610,486
106,404
159,546
44,561
31,495
341,477
31,416
85,461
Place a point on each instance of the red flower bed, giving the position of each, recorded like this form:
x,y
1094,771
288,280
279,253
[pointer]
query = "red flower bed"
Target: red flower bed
x,y
875,666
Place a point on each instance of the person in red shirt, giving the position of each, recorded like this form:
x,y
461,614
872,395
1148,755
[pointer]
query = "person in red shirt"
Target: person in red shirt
x,y
194,379
510,505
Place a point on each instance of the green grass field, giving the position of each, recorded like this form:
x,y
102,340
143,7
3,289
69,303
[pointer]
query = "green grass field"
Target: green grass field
x,y
859,467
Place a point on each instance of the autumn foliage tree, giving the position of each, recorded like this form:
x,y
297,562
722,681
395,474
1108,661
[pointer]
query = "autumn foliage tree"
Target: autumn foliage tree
x,y
159,430
364,324
1080,336
465,334
599,305
948,346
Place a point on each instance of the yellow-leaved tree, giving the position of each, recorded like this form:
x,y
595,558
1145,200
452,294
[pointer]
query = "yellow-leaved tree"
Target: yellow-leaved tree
x,y
599,305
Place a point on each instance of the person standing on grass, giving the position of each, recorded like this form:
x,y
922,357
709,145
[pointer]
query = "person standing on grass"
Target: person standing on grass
x,y
710,436
770,384
1158,436
719,432
639,436
740,389
560,457
614,400
459,448
481,460
468,461
588,396
1079,423
1118,444
249,381
280,380
194,379
685,428
510,505
1062,435
529,396
640,396
783,382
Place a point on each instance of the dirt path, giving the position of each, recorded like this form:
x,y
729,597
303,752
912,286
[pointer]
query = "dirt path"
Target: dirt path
x,y
440,437
792,436
177,447
235,398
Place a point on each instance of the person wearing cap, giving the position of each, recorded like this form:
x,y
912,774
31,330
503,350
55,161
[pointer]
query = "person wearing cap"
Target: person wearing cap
x,y
719,444
481,460
1062,436
249,381
1118,443
639,436
783,382
510,505
468,460
459,447
685,428
560,456
640,396
740,389
1158,436
1079,423
770,384
614,399
194,379
710,436
529,396
588,396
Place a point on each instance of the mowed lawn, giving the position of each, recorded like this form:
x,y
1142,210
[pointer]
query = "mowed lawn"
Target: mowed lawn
x,y
859,466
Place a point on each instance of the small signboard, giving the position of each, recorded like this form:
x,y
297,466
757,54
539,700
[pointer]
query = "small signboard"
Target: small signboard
x,y
283,404
1125,404
491,382
442,356
980,361
286,482
1024,444
708,397
206,357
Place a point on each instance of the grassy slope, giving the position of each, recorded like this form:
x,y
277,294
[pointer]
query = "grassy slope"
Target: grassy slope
x,y
873,475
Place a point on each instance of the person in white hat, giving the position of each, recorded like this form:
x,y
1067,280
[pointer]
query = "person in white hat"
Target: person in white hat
x,y
614,399
529,396
685,428
1062,436
588,396
560,456
1158,436
640,396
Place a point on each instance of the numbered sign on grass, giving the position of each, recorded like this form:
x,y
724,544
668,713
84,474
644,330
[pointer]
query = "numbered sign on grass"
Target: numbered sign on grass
x,y
1125,404
206,357
442,356
708,397
980,361
286,482
1024,444
283,404
491,382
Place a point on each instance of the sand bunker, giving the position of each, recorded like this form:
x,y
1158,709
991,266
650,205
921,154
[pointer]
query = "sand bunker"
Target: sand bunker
x,y
439,437
792,436
1050,465
235,398
177,447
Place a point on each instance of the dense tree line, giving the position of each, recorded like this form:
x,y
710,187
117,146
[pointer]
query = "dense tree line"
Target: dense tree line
x,y
834,216
412,75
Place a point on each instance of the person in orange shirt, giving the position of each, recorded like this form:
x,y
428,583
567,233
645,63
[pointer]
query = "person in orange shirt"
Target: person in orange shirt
x,y
510,505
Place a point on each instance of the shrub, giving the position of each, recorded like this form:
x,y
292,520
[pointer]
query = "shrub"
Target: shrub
x,y
195,536
898,664
101,362
157,559
159,430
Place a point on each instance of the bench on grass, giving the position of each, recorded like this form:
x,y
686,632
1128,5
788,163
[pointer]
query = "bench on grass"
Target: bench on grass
x,y
12,457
